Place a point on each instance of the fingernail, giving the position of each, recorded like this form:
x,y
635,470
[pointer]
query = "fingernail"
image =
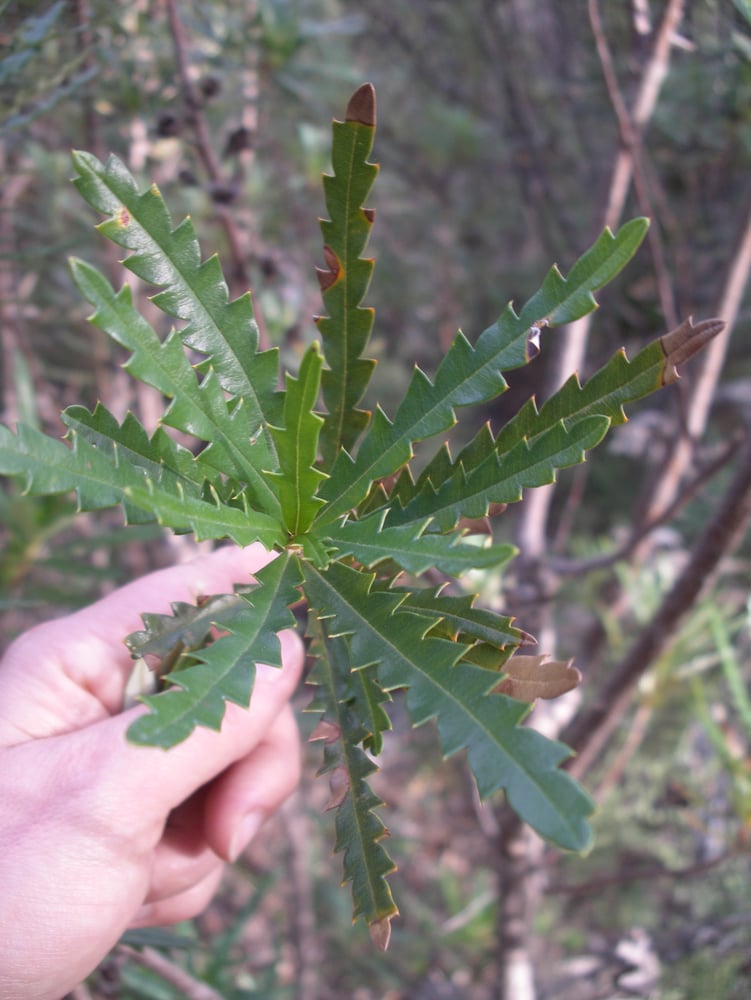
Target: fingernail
x,y
245,831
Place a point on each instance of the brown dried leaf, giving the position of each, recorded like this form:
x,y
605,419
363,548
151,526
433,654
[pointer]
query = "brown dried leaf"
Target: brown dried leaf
x,y
531,677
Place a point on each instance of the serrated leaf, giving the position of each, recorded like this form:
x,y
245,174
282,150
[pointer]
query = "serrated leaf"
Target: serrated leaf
x,y
470,375
359,831
528,678
458,618
501,753
197,409
297,480
563,300
613,386
412,547
159,458
101,480
186,627
502,478
192,290
225,669
345,279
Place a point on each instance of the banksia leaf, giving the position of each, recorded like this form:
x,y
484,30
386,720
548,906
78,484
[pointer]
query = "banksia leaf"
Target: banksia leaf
x,y
354,526
198,409
469,376
224,670
167,637
192,289
413,548
613,386
344,281
359,831
297,445
100,480
502,478
501,753
458,618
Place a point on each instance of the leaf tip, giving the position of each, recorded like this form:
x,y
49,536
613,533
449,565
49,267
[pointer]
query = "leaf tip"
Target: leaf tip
x,y
531,677
686,340
380,932
362,106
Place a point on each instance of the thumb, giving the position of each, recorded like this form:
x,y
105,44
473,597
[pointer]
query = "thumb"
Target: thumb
x,y
158,780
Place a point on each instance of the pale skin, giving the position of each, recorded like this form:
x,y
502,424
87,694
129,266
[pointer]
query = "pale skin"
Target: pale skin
x,y
97,835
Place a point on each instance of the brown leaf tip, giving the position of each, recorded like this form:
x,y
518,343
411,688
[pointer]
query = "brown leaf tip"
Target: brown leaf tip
x,y
686,340
531,677
380,932
362,106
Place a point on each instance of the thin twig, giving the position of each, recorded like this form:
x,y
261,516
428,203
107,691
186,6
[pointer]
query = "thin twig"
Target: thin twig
x,y
631,129
531,531
205,151
634,739
580,567
702,387
596,885
591,729
190,988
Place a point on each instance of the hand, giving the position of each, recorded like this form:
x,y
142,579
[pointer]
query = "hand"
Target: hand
x,y
98,835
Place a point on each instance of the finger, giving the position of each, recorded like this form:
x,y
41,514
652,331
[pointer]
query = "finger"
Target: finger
x,y
160,780
247,793
71,672
183,906
182,857
103,625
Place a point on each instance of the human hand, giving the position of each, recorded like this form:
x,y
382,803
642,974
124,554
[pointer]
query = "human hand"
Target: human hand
x,y
98,835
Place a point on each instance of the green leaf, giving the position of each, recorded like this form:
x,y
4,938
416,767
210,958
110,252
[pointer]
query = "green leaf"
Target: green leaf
x,y
457,618
563,300
159,458
297,445
186,629
412,548
101,480
501,753
359,831
470,375
225,669
503,478
344,281
613,386
199,410
192,290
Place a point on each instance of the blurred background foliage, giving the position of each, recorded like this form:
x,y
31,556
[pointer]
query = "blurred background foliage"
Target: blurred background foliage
x,y
497,139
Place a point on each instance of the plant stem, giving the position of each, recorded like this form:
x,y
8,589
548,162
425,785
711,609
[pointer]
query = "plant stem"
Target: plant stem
x,y
190,988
